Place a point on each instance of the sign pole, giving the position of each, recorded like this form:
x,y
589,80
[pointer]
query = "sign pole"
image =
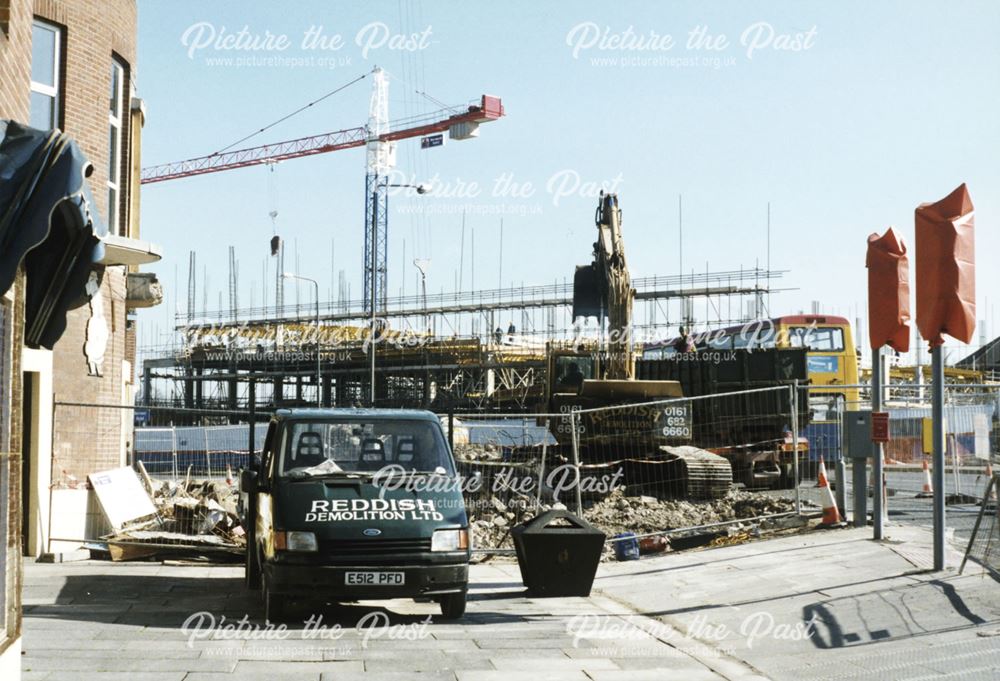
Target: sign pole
x,y
937,470
877,459
795,446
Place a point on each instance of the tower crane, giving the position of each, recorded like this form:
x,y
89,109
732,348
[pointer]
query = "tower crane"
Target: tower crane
x,y
379,136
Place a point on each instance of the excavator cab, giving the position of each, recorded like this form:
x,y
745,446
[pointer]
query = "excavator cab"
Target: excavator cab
x,y
570,370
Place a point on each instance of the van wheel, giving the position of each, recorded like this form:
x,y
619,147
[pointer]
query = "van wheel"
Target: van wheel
x,y
453,605
251,569
274,604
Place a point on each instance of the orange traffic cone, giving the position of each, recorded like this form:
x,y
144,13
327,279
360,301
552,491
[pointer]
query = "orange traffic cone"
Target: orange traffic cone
x,y
831,515
821,472
928,490
229,475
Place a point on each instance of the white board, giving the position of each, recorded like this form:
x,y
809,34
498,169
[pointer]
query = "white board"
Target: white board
x,y
121,495
981,427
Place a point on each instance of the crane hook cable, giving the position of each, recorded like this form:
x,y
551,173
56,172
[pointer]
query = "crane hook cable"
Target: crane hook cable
x,y
297,111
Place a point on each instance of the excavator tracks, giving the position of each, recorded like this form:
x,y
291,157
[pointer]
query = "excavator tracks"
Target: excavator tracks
x,y
701,474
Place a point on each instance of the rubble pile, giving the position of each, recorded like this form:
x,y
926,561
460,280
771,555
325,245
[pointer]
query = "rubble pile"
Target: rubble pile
x,y
192,515
477,452
640,514
492,518
200,508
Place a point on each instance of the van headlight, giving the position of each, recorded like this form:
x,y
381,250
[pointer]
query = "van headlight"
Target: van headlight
x,y
450,540
295,541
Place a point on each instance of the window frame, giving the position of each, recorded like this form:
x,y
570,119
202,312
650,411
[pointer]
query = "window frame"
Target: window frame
x,y
54,91
116,160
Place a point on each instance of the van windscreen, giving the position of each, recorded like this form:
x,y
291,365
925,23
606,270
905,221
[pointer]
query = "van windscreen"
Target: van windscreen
x,y
315,448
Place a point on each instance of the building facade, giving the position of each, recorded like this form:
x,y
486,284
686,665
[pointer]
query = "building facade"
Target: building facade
x,y
69,64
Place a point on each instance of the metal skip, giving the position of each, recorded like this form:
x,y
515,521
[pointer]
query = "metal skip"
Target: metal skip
x,y
888,324
946,304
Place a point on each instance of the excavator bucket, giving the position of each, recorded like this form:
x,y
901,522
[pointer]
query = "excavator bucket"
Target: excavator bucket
x,y
588,293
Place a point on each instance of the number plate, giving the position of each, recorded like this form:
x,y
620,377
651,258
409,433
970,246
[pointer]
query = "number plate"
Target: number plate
x,y
374,578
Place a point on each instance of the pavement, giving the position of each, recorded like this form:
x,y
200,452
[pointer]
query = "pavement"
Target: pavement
x,y
823,605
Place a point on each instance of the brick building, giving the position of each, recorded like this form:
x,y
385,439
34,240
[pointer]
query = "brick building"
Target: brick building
x,y
70,64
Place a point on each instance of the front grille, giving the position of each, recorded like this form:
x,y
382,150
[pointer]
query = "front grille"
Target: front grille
x,y
373,545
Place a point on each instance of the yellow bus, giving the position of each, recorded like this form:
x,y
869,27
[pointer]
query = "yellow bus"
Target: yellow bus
x,y
832,358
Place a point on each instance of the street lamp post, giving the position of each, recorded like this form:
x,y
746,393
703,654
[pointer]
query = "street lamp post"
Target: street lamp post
x,y
421,264
319,380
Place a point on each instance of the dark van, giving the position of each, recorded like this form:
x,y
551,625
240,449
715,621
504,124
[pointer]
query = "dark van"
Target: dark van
x,y
355,504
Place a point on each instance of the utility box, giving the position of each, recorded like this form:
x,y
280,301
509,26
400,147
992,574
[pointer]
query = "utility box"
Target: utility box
x,y
558,553
858,434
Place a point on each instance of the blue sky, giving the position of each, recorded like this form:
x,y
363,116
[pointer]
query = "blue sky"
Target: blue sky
x,y
889,105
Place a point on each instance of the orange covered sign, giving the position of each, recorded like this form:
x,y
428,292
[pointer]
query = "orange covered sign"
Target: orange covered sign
x,y
888,291
946,268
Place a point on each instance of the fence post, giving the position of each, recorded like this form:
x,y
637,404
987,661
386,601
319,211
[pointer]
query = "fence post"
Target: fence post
x,y
841,463
173,449
252,445
795,446
574,424
541,469
951,443
208,458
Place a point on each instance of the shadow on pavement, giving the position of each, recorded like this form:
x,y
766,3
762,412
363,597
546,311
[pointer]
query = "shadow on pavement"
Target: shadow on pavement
x,y
927,608
162,601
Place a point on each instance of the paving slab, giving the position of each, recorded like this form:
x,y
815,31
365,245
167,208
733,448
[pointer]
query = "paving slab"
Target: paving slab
x,y
832,605
98,620
825,605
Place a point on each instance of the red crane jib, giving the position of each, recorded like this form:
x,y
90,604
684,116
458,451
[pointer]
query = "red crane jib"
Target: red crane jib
x,y
489,109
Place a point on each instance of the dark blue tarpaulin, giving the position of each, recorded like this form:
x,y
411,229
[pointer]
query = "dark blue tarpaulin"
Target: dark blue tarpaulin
x,y
48,223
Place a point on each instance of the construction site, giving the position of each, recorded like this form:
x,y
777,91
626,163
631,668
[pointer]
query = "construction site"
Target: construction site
x,y
474,342
687,383
472,350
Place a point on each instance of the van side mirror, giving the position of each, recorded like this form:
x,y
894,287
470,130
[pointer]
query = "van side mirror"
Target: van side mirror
x,y
248,481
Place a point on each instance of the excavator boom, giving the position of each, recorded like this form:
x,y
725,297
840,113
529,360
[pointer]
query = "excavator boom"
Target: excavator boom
x,y
603,289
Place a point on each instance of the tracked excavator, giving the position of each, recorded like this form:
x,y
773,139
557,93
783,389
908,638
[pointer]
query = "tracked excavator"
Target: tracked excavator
x,y
589,376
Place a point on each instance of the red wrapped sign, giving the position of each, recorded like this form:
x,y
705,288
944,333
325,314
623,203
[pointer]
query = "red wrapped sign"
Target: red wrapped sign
x,y
888,291
880,426
946,268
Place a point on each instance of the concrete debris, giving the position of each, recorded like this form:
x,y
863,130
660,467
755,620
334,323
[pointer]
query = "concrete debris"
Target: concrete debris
x,y
477,452
200,508
190,517
492,518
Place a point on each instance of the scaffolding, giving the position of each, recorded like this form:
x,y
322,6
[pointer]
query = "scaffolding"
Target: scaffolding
x,y
445,350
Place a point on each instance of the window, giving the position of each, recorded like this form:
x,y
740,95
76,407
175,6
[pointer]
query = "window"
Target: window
x,y
719,341
312,449
115,117
5,17
571,372
46,49
821,339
